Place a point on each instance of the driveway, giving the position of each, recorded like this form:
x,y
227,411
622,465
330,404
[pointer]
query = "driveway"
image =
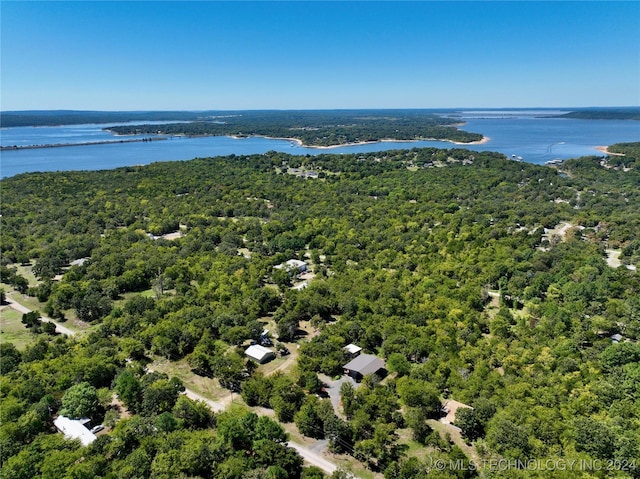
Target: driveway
x,y
333,390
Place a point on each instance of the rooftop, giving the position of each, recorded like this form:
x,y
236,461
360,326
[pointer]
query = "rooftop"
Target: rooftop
x,y
75,429
352,348
365,364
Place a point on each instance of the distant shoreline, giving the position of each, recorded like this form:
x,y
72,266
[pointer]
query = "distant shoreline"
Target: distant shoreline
x,y
299,142
605,149
85,143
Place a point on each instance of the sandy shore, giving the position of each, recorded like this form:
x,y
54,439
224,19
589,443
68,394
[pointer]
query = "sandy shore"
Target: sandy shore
x,y
485,139
299,142
605,150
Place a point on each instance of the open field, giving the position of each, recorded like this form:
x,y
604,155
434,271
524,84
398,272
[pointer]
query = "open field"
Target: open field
x,y
207,387
12,330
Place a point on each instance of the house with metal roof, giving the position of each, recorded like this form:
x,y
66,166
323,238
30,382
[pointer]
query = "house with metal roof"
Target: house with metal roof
x,y
363,365
75,429
260,353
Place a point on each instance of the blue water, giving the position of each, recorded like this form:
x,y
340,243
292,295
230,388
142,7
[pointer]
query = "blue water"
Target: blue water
x,y
535,139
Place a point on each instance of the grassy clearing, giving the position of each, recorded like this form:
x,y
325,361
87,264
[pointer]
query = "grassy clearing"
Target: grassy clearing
x,y
456,437
209,388
26,271
349,464
12,330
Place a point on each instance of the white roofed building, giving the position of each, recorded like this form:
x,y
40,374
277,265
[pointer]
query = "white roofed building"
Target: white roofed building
x,y
75,429
352,349
260,353
293,266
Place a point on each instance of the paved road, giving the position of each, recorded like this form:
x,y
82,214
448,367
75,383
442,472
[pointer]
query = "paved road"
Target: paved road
x,y
22,309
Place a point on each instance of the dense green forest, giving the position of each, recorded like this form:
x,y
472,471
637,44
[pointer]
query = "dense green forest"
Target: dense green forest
x,y
320,128
477,279
76,117
628,113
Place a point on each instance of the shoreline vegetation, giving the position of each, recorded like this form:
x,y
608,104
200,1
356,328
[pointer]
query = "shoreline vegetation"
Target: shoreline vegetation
x,y
36,118
320,128
84,143
298,142
605,150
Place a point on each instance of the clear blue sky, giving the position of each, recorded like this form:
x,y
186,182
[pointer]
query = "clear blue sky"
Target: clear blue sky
x,y
300,55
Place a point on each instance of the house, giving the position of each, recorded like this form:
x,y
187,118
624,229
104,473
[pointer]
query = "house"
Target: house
x,y
293,266
616,338
363,365
260,353
75,429
352,350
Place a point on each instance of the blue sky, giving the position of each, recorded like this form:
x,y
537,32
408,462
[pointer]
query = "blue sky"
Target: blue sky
x,y
302,55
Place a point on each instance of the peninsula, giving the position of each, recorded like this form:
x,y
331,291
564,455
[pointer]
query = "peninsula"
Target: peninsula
x,y
84,143
320,128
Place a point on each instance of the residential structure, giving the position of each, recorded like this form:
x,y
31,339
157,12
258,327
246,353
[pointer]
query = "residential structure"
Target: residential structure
x,y
363,365
353,350
260,353
293,266
75,429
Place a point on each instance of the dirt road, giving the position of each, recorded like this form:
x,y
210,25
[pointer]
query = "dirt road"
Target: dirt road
x,y
24,310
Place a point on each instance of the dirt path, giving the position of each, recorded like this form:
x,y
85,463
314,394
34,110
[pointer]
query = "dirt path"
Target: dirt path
x,y
24,310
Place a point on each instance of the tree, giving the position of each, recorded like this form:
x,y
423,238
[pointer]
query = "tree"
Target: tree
x,y
417,420
288,326
195,414
508,438
347,394
267,428
80,401
31,319
417,393
312,472
469,423
9,357
398,363
160,396
308,420
93,304
129,390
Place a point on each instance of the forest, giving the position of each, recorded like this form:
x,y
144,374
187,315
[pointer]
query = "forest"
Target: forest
x,y
627,113
319,128
507,287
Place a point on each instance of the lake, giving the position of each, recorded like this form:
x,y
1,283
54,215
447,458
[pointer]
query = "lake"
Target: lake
x,y
535,139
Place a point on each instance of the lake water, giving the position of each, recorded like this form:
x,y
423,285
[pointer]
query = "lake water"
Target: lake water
x,y
535,139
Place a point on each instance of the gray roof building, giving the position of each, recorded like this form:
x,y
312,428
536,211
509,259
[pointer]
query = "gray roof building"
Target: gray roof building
x,y
363,365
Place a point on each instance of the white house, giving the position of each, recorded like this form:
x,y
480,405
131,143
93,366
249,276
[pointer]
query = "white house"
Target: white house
x,y
293,266
75,429
260,353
